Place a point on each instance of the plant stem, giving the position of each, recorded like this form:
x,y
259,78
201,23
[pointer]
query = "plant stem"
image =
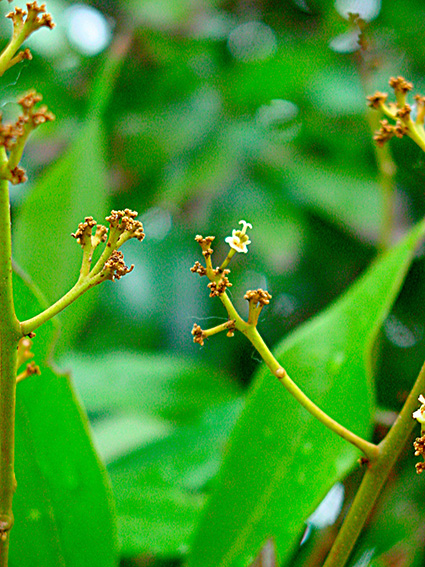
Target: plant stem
x,y
387,170
74,293
250,331
369,449
375,478
9,337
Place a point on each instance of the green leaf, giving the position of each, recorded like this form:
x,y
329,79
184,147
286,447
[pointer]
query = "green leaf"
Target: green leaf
x,y
350,200
63,505
281,461
159,424
171,387
159,487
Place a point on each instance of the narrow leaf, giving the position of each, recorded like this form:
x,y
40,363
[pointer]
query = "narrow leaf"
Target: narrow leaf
x,y
63,505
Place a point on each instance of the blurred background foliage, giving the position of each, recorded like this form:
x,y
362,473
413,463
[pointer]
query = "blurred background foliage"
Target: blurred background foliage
x,y
199,113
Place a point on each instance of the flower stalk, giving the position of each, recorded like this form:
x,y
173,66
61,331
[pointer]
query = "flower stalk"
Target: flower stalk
x,y
257,300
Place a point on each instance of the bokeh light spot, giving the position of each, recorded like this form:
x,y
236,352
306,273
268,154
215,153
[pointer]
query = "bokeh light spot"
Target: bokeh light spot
x,y
87,29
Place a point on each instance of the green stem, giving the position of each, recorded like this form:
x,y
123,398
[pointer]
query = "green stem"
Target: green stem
x,y
375,478
250,331
218,329
74,293
369,449
387,170
227,259
17,151
9,337
10,50
416,137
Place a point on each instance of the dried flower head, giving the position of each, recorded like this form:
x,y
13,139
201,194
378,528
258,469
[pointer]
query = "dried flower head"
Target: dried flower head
x,y
385,133
400,85
419,446
17,175
377,100
258,296
218,288
205,242
125,226
198,334
239,240
400,129
10,133
198,268
115,268
84,231
33,19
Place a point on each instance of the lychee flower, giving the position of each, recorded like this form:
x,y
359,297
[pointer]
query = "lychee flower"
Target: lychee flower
x,y
239,240
419,414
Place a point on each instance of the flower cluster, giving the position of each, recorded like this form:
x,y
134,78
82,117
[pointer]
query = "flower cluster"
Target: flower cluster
x,y
122,227
115,267
13,137
198,335
219,282
401,112
257,298
26,23
218,288
84,234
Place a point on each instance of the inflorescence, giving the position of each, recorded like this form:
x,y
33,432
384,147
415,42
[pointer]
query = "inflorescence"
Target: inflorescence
x,y
122,227
25,23
219,282
13,137
409,120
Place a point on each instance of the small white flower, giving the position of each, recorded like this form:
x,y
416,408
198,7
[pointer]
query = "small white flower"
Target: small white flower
x,y
419,414
239,240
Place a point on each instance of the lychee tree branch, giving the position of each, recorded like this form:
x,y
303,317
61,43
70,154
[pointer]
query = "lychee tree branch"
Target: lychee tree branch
x,y
9,336
257,299
375,477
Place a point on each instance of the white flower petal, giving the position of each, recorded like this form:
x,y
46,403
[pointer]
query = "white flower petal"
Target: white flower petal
x,y
419,416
